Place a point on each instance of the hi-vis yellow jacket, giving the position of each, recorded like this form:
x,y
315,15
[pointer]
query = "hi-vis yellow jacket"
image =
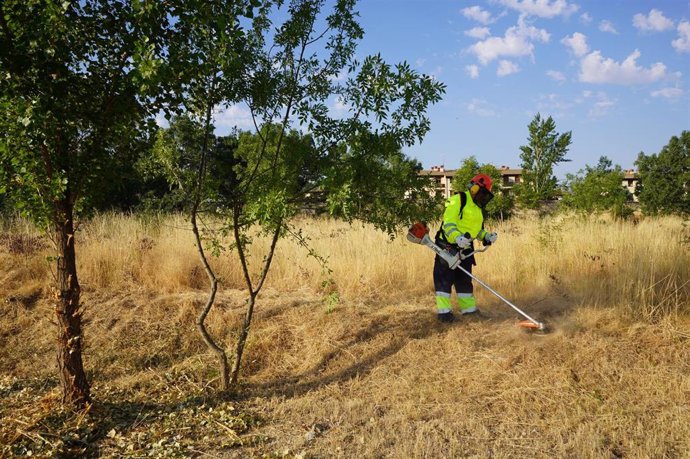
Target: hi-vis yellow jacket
x,y
459,219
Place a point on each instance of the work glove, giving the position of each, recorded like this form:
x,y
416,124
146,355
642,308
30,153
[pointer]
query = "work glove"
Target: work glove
x,y
490,238
464,242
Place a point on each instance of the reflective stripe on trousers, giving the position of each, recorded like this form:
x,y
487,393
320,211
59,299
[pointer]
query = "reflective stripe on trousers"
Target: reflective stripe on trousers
x,y
467,302
443,302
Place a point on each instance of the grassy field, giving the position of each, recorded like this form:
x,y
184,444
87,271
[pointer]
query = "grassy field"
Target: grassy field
x,y
351,362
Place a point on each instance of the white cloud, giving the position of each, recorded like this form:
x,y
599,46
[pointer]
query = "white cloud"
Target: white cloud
x,y
340,107
517,41
478,32
594,68
542,8
506,68
601,103
607,26
682,44
585,18
655,21
420,62
668,93
480,107
478,14
577,44
556,75
472,71
436,72
554,104
602,106
233,116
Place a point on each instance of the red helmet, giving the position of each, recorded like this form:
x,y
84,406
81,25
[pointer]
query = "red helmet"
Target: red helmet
x,y
482,180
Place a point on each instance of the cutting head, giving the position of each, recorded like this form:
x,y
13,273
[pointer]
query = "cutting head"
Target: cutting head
x,y
532,326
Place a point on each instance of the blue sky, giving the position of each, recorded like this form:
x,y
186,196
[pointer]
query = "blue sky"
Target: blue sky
x,y
614,72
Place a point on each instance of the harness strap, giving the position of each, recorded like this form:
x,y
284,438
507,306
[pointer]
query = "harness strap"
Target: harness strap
x,y
441,235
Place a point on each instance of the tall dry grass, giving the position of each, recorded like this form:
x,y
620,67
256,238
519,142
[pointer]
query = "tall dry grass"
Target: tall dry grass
x,y
642,267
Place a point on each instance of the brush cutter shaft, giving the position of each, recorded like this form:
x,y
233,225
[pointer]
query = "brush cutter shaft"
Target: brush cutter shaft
x,y
498,295
452,260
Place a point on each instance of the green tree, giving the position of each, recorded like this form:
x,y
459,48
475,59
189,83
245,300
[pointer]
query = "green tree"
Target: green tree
x,y
69,95
546,148
166,172
285,64
596,189
215,56
173,158
501,206
287,73
664,186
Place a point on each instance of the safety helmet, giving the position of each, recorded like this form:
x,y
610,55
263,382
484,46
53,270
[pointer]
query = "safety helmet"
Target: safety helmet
x,y
482,180
480,189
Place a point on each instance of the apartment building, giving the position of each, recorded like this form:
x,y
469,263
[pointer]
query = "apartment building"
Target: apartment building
x,y
442,179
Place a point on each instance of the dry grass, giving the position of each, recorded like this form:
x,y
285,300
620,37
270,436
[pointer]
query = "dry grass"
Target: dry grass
x,y
358,366
643,267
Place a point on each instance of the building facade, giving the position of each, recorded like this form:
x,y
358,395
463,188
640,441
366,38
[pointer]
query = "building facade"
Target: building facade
x,y
630,180
442,179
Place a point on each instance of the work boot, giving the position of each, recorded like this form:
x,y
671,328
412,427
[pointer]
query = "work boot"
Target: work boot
x,y
446,317
474,313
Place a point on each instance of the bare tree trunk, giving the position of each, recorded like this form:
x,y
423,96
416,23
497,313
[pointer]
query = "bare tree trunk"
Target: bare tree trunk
x,y
253,293
200,322
241,340
75,387
220,352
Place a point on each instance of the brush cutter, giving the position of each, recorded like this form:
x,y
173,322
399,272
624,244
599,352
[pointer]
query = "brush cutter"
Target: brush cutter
x,y
419,234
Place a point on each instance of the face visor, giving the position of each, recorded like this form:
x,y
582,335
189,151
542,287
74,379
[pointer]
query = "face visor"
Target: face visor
x,y
482,197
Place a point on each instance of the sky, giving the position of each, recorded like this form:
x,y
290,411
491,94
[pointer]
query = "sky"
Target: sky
x,y
614,72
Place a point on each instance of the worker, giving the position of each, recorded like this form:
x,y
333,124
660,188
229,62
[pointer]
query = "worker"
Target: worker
x,y
463,222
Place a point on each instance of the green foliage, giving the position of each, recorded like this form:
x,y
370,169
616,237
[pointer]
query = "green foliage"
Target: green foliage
x,y
71,113
501,206
331,301
373,181
468,169
664,186
596,189
546,148
273,189
303,152
169,169
175,155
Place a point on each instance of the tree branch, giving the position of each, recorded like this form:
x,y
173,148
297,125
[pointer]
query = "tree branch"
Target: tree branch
x,y
240,249
269,257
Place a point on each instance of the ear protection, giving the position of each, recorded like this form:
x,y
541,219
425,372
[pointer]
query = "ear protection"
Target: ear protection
x,y
474,188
